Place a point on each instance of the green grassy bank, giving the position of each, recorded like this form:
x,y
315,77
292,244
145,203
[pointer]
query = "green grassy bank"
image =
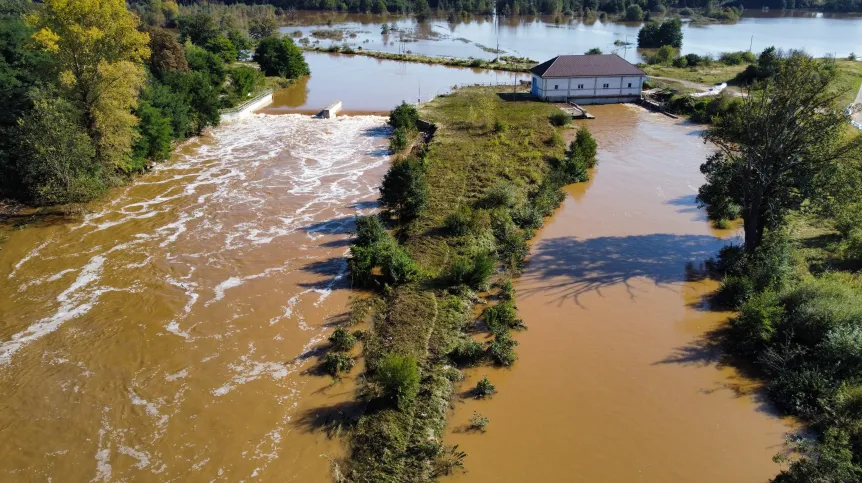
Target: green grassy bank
x,y
494,170
514,65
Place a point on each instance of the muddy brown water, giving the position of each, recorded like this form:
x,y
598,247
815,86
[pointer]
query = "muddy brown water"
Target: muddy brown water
x,y
617,380
171,334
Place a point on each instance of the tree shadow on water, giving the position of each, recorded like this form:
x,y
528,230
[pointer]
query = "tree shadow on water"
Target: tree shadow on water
x,y
687,204
569,267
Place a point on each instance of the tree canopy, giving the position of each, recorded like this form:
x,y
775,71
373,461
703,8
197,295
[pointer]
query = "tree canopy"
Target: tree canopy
x,y
280,57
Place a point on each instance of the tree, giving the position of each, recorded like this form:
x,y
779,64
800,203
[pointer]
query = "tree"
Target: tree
x,y
422,10
404,189
263,24
207,63
594,51
398,377
200,27
378,7
655,35
223,48
56,158
280,57
404,116
100,53
154,141
167,54
777,142
585,146
634,13
244,81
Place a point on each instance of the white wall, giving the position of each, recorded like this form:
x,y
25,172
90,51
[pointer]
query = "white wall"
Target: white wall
x,y
563,88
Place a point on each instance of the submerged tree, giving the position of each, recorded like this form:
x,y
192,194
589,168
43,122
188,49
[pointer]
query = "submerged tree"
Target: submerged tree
x,y
773,147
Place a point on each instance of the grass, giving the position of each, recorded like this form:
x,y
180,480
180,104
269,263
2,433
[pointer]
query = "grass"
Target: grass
x,y
849,78
424,59
714,74
466,156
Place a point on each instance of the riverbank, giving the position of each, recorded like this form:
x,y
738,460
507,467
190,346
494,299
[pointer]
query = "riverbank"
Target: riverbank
x,y
480,140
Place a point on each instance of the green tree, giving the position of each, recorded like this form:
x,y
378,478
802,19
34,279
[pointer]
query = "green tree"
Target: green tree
x,y
56,157
655,35
404,116
585,146
404,189
100,53
244,81
594,51
422,10
154,140
778,141
207,63
634,13
167,53
172,102
223,48
379,7
280,57
262,25
199,27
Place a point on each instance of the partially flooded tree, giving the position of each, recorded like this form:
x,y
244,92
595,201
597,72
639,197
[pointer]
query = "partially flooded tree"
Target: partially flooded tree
x,y
785,133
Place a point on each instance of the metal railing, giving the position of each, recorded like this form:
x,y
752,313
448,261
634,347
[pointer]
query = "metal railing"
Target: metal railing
x,y
239,108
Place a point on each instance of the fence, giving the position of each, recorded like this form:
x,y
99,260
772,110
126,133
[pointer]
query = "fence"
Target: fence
x,y
238,109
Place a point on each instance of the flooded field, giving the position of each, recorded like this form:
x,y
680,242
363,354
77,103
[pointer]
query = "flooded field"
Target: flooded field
x,y
171,333
366,85
617,380
543,37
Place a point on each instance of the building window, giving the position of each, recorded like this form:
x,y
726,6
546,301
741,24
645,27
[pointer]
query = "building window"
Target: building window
x,y
580,86
556,86
630,84
605,86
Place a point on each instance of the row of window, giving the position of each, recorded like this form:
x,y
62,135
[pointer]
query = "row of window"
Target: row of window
x,y
581,86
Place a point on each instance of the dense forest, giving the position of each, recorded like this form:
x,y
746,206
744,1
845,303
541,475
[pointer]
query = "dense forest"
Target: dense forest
x,y
92,93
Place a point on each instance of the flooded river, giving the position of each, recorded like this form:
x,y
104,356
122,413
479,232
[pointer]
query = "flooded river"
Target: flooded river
x,y
616,379
169,333
542,38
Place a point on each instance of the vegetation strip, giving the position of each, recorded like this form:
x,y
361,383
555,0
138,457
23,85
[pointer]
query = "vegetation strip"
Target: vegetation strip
x,y
461,210
504,63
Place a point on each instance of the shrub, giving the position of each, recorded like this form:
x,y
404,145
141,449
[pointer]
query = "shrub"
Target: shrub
x,y
526,215
484,388
398,141
549,195
596,50
404,116
467,352
735,58
501,194
369,230
398,377
584,145
575,169
802,392
361,265
337,362
560,119
478,422
458,223
502,317
734,291
500,126
512,247
849,218
398,267
502,349
758,318
686,12
729,261
342,340
471,271
507,291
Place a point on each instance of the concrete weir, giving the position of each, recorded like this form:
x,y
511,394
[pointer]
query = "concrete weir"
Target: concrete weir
x,y
330,111
247,108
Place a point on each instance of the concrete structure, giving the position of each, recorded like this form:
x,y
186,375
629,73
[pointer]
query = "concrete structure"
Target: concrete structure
x,y
247,108
330,111
587,79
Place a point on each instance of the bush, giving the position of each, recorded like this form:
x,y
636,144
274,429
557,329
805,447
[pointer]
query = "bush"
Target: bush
x,y
337,362
575,169
729,261
471,271
398,378
664,55
484,389
596,50
501,194
398,141
507,291
398,268
404,116
369,230
802,392
686,12
502,317
584,145
502,349
342,340
500,126
756,323
478,422
512,247
560,119
734,291
467,352
458,223
526,215
849,218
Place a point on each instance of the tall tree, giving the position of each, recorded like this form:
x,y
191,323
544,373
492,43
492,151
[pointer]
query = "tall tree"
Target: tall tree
x,y
101,54
167,53
773,147
280,57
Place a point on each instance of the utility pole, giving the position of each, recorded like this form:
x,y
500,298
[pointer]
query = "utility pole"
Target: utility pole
x,y
750,45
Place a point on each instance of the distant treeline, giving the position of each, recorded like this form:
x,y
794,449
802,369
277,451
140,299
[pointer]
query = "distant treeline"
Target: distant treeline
x,y
546,7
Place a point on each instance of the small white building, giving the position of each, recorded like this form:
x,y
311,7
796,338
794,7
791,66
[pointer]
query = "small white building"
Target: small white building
x,y
587,79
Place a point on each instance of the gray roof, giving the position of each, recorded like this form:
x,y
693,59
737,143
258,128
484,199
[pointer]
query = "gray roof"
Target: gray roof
x,y
604,65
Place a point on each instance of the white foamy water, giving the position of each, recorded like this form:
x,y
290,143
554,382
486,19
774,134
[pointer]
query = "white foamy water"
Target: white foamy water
x,y
202,283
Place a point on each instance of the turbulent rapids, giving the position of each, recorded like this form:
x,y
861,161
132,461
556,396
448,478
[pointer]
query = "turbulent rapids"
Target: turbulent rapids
x,y
168,333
